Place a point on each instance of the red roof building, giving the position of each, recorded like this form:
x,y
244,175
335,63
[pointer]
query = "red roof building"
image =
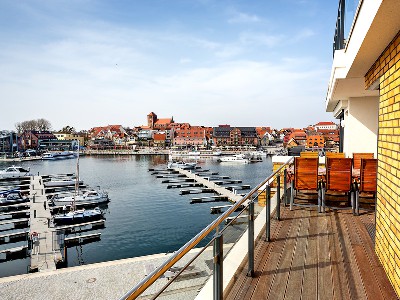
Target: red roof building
x,y
185,134
161,124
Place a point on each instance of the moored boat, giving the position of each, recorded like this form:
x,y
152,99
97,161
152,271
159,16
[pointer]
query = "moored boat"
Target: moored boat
x,y
12,197
58,155
78,216
14,171
59,183
181,164
238,158
90,196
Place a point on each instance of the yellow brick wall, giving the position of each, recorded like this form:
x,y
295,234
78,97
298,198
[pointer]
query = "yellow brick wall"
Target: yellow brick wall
x,y
386,69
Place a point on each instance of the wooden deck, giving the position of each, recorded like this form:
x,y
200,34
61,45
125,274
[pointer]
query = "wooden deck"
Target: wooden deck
x,y
316,256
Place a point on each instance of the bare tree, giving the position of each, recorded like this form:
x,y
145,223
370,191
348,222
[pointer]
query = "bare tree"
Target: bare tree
x,y
43,125
28,125
68,129
18,127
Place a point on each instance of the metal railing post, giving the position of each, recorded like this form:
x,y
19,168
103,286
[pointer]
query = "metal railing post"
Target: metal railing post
x,y
268,215
250,272
285,202
278,197
218,267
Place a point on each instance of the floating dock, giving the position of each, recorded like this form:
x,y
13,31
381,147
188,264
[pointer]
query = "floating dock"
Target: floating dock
x,y
68,229
44,257
222,191
82,239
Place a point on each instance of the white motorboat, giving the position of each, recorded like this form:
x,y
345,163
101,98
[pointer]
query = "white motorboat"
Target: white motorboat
x,y
90,196
12,197
238,158
14,172
78,216
59,183
58,155
183,153
180,164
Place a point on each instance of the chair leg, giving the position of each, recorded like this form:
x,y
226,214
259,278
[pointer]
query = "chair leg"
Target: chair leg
x,y
323,199
291,194
357,204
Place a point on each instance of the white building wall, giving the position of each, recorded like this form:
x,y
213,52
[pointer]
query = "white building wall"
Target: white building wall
x,y
361,126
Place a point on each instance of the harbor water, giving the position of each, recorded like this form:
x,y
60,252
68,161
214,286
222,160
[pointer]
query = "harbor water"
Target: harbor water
x,y
143,216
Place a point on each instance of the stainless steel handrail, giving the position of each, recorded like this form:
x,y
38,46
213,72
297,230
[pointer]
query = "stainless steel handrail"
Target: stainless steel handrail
x,y
139,288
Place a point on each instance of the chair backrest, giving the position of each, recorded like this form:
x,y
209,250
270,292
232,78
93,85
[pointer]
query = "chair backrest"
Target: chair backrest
x,y
338,174
309,154
368,171
305,173
334,154
357,159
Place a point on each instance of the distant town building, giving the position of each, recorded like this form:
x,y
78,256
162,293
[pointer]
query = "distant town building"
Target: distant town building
x,y
315,141
185,134
295,138
64,136
325,125
32,139
224,135
161,124
115,133
159,139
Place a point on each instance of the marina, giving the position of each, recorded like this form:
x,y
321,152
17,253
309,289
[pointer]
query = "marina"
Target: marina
x,y
119,212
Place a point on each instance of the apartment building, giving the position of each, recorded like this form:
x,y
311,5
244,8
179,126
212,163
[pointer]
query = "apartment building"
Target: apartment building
x,y
364,95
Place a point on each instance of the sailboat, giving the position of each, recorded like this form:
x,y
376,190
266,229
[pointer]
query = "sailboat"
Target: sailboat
x,y
75,216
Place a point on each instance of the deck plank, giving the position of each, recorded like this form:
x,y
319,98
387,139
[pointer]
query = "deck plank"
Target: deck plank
x,y
315,256
309,284
340,280
281,273
355,280
265,253
371,271
298,266
325,290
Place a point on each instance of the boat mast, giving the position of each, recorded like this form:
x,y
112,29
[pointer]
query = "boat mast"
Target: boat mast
x,y
76,179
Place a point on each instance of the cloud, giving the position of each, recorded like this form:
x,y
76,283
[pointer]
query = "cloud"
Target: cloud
x,y
96,73
185,60
240,17
303,34
256,38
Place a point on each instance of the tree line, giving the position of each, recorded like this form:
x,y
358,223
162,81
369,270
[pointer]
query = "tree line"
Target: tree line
x,y
37,125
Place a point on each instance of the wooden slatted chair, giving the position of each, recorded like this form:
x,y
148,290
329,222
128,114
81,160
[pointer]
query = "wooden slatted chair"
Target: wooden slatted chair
x,y
357,159
305,177
334,154
367,183
338,177
309,154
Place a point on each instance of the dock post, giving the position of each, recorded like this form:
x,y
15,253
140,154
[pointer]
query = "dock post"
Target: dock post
x,y
268,215
285,202
218,267
278,197
250,272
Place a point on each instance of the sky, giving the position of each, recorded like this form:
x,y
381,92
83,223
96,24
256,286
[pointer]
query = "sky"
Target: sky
x,y
93,63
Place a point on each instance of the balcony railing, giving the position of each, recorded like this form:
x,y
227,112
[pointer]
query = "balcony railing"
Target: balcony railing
x,y
347,14
183,257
